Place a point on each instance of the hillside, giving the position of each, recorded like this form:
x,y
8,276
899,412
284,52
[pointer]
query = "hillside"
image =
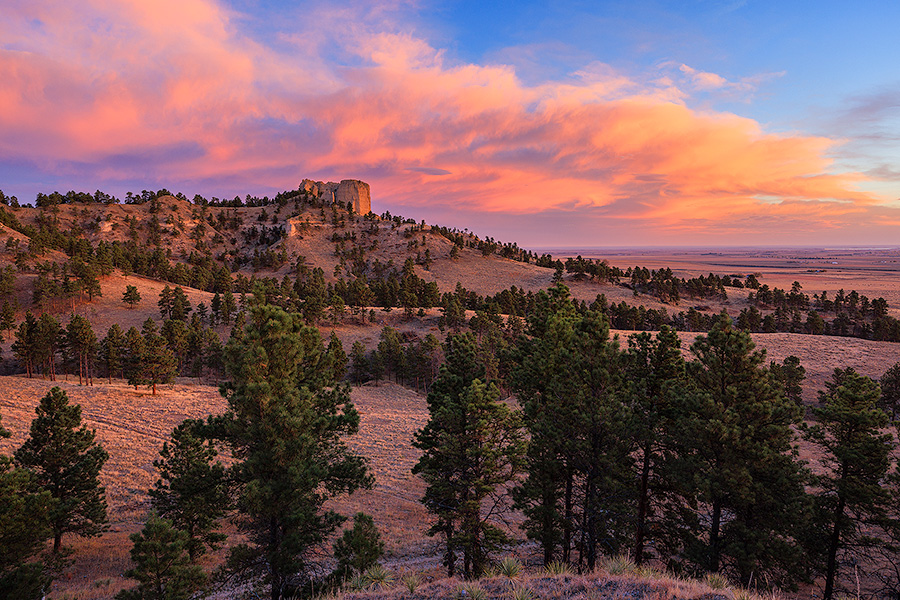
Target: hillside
x,y
291,251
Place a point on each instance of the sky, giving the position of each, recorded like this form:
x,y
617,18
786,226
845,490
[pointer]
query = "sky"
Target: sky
x,y
579,123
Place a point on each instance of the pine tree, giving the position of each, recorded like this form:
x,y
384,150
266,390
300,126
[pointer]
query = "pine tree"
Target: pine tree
x,y
191,490
131,296
856,461
471,446
359,363
135,351
180,305
66,460
25,346
24,526
113,350
359,548
336,358
48,338
165,303
157,363
162,566
7,317
287,422
890,391
790,374
579,461
82,344
738,452
654,373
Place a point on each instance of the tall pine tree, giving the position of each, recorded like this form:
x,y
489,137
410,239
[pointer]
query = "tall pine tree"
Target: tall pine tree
x,y
66,460
471,446
855,462
286,425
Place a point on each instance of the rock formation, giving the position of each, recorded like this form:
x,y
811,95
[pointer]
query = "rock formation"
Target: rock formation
x,y
348,190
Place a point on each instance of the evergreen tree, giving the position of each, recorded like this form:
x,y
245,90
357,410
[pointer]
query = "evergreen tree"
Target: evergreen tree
x,y
48,338
131,297
82,346
286,424
165,303
66,460
890,391
191,490
336,358
157,364
25,346
7,317
113,351
24,526
162,566
738,454
579,460
471,446
359,363
851,494
359,548
654,374
135,351
180,305
790,374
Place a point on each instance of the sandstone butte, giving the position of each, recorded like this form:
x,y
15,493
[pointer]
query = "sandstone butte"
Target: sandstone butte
x,y
347,191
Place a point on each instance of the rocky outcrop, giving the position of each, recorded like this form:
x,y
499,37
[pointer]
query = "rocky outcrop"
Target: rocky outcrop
x,y
347,191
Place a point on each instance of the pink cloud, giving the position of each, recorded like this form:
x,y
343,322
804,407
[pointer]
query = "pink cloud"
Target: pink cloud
x,y
105,85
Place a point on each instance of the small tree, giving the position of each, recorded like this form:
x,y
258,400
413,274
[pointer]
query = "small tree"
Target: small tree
x,y
359,548
162,567
157,364
66,460
191,489
131,297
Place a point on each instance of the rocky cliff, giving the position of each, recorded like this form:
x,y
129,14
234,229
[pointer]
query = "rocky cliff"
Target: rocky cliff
x,y
347,191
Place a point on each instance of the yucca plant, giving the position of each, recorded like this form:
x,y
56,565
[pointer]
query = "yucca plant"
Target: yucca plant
x,y
357,583
471,591
509,567
557,567
411,581
716,581
621,564
379,577
521,592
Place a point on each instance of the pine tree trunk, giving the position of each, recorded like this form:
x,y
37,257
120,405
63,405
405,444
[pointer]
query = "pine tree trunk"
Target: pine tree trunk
x,y
833,543
568,519
714,536
643,501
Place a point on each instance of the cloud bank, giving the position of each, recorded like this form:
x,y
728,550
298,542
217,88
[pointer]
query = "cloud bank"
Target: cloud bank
x,y
175,92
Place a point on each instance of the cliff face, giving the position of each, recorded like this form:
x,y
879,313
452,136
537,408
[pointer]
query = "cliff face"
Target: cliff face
x,y
348,190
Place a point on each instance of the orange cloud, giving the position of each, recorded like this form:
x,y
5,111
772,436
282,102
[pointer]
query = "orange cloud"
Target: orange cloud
x,y
174,91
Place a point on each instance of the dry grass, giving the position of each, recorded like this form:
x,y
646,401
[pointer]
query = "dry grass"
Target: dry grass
x,y
595,586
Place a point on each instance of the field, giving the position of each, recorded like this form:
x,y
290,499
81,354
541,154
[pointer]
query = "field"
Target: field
x,y
873,272
132,425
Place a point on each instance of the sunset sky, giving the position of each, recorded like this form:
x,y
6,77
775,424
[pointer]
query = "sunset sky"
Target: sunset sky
x,y
694,122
